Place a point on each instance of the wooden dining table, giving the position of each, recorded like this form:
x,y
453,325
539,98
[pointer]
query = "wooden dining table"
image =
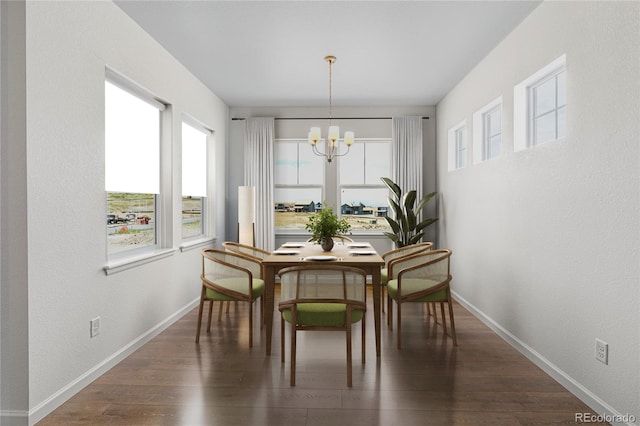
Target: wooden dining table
x,y
358,255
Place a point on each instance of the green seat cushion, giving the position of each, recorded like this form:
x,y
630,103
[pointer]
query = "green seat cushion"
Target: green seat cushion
x,y
413,285
322,314
384,276
236,284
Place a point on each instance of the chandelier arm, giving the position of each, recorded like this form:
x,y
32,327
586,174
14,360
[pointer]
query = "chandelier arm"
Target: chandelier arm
x,y
316,151
344,153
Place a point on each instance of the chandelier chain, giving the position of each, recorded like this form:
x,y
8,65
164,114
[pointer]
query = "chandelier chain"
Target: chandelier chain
x,y
330,96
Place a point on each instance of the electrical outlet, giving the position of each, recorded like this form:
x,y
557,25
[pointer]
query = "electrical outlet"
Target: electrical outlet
x,y
602,351
95,327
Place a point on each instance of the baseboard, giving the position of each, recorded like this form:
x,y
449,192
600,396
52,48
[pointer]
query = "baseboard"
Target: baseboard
x,y
573,386
14,418
58,398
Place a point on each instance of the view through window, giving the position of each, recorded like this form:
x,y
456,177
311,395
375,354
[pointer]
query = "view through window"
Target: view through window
x,y
132,169
299,183
363,196
301,189
194,180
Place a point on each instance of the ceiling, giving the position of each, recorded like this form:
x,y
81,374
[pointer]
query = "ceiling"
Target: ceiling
x,y
271,53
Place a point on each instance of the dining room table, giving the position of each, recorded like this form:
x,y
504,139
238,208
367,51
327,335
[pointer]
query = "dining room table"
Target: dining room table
x,y
355,254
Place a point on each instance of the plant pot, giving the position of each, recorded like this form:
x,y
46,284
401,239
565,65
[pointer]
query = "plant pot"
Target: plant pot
x,y
327,244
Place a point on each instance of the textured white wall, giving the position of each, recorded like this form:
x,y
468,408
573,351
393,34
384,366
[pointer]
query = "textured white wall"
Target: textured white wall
x,y
546,241
68,46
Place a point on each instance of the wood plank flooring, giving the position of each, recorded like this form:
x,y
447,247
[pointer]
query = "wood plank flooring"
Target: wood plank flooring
x,y
173,381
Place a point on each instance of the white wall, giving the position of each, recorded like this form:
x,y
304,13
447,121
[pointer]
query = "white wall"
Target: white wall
x,y
365,128
68,46
546,241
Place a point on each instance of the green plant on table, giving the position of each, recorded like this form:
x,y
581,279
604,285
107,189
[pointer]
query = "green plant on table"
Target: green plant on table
x,y
325,224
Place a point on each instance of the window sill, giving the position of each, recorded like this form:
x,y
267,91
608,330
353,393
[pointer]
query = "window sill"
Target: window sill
x,y
132,262
198,243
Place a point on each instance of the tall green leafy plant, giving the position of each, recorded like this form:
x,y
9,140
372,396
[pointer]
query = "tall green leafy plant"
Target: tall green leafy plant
x,y
405,226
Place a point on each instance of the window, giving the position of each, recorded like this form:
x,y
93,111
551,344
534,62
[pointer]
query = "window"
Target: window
x,y
540,106
132,168
299,183
548,109
194,179
487,131
457,146
363,196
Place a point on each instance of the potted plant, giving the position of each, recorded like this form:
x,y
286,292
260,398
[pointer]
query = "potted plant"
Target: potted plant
x,y
405,227
324,225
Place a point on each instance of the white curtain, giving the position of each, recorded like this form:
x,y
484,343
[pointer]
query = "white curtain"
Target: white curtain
x,y
258,172
406,153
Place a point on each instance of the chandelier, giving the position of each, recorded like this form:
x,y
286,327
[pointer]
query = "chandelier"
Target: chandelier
x,y
332,142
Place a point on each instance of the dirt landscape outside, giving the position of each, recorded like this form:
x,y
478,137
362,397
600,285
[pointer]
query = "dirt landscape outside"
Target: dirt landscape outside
x,y
131,220
297,221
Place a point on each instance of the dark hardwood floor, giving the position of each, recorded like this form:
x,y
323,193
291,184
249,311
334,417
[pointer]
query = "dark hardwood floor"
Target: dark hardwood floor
x,y
173,381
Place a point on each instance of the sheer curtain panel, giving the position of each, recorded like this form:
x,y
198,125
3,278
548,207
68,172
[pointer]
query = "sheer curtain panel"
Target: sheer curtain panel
x,y
258,172
406,153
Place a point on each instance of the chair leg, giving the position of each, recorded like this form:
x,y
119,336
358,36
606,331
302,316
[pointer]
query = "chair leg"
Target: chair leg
x,y
434,311
399,321
293,352
444,321
281,339
364,347
221,309
250,323
389,312
200,315
210,313
349,354
453,324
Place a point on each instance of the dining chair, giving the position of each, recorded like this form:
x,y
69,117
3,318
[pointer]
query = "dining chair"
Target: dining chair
x,y
245,250
322,297
395,254
420,277
229,276
256,252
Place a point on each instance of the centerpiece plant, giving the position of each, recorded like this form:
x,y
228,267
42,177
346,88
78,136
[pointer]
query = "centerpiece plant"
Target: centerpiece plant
x,y
324,225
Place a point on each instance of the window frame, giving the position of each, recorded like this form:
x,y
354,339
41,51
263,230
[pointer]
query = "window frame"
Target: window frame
x,y
534,116
205,229
523,109
457,146
481,131
162,246
380,185
302,143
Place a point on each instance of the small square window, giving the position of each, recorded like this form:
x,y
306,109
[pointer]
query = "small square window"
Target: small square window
x,y
540,106
457,146
548,108
487,131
